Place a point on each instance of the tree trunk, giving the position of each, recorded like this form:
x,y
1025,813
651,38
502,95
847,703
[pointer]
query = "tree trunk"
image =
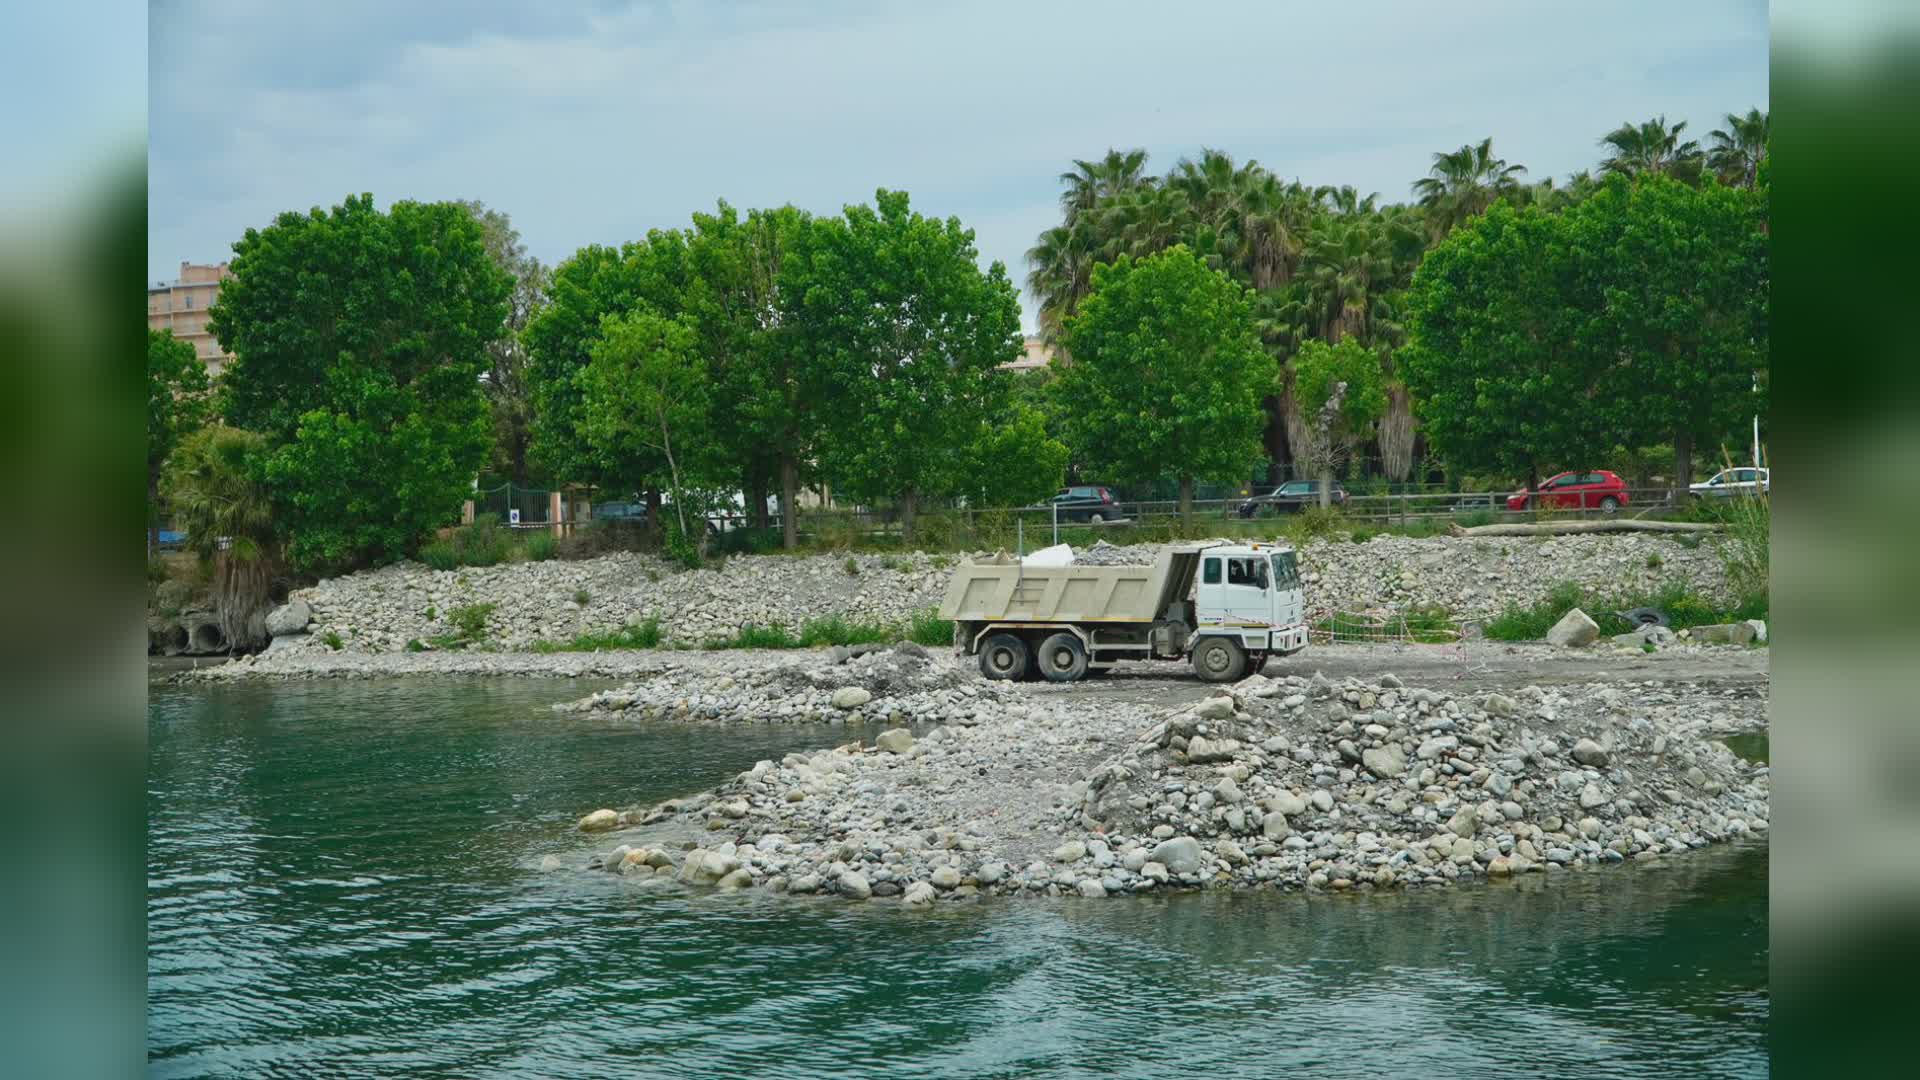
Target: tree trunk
x,y
1296,426
654,531
519,452
1396,434
757,500
1186,500
909,503
1682,462
1326,481
789,497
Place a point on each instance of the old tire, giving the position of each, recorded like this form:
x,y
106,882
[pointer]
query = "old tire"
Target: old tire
x,y
1219,660
1609,505
1062,658
1003,656
1645,616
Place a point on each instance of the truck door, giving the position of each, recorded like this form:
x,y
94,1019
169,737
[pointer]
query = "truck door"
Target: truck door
x,y
1288,601
1233,591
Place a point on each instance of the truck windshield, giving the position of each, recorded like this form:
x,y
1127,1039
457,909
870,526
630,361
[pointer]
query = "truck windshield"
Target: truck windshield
x,y
1285,574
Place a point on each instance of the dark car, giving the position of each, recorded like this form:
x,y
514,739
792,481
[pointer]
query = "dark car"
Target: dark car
x,y
1291,496
1594,490
1086,503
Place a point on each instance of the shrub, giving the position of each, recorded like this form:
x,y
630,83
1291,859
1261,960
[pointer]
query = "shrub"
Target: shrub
x,y
834,530
644,635
682,549
431,613
595,538
928,628
580,597
1654,561
415,645
439,555
541,545
332,640
851,567
471,620
1315,522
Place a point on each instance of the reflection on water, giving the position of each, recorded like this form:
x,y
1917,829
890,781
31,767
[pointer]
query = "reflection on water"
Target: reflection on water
x,y
340,883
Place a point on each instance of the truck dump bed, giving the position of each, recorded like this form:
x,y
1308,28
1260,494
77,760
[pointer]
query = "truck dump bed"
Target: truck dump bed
x,y
1002,590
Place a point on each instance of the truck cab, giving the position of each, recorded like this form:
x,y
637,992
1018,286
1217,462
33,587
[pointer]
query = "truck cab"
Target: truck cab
x,y
1250,595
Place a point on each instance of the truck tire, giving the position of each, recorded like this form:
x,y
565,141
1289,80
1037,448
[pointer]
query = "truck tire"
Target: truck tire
x,y
1003,656
1219,660
1062,658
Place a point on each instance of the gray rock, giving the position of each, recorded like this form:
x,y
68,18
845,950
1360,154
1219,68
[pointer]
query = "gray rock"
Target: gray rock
x,y
1214,708
704,867
1322,800
918,894
1385,762
737,879
853,885
851,697
599,821
1725,633
1464,822
1288,803
1588,752
1275,827
291,617
1439,744
1201,750
893,740
1092,889
1574,630
945,877
1180,854
1070,852
1591,796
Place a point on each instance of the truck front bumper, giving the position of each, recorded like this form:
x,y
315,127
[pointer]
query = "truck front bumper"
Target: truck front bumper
x,y
1289,639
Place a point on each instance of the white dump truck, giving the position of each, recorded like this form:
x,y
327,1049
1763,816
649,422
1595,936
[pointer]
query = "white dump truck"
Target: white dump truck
x,y
1227,607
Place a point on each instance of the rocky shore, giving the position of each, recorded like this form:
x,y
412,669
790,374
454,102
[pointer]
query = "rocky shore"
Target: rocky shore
x,y
1291,782
382,611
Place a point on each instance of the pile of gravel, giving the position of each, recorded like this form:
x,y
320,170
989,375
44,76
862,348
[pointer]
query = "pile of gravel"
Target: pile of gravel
x,y
903,684
382,610
1288,783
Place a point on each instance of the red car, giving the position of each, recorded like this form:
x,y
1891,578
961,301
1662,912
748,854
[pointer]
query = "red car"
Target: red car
x,y
1599,490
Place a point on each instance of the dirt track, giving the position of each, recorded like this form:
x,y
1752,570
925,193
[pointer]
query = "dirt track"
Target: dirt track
x,y
1473,665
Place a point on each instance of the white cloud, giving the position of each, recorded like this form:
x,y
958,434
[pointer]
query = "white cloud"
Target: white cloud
x,y
596,123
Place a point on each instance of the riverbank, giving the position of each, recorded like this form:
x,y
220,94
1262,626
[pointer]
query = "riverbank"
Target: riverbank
x,y
520,607
1277,782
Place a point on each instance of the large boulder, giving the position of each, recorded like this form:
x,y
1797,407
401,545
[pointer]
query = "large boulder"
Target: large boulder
x,y
851,697
291,617
1738,633
1180,854
1573,630
1385,762
703,867
599,821
1588,752
894,741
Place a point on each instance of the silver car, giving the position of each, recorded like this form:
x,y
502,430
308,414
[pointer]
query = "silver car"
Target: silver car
x,y
1730,482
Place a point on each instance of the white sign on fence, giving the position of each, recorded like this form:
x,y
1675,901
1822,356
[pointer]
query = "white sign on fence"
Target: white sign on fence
x,y
513,517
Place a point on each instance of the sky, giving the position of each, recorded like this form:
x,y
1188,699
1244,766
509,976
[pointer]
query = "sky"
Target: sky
x,y
593,121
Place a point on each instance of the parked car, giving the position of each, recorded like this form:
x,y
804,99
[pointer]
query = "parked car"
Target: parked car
x,y
1600,490
1730,482
1291,496
620,511
1085,503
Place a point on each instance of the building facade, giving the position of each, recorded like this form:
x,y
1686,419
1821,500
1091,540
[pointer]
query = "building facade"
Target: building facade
x,y
181,306
1038,354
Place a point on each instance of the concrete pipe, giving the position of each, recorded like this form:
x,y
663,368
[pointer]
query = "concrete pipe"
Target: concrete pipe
x,y
207,637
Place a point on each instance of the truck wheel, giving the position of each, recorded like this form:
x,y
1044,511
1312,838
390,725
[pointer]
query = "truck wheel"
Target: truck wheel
x,y
1003,656
1219,660
1062,658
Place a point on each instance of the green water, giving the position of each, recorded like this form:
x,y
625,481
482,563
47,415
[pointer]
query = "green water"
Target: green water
x,y
341,882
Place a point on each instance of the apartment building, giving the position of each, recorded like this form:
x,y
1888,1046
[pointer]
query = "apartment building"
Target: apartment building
x,y
1036,355
181,306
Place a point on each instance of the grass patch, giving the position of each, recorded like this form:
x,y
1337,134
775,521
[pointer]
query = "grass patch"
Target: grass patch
x,y
416,645
929,629
835,630
487,543
332,641
1684,608
580,597
641,635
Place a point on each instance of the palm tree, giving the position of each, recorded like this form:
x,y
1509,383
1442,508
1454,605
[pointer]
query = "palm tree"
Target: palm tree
x,y
1089,182
1652,148
214,486
1738,148
1463,183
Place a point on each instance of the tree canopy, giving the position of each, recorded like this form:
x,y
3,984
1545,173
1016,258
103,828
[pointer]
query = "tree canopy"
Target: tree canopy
x,y
359,338
177,404
1167,373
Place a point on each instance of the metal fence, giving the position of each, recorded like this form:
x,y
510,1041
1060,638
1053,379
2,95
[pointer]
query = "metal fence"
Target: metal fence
x,y
499,503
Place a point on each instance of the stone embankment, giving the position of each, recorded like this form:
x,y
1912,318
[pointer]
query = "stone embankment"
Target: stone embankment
x,y
381,611
1282,783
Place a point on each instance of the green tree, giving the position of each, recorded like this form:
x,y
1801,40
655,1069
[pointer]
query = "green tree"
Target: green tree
x,y
1507,352
905,332
508,395
1343,392
1013,459
1652,148
215,481
647,394
1736,151
1463,183
177,406
359,340
1168,373
1683,273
